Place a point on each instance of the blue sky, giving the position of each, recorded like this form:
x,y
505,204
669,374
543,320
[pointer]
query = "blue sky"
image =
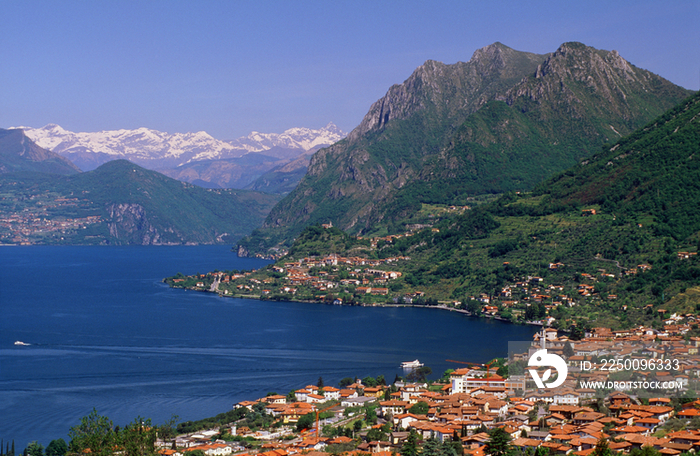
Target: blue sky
x,y
231,67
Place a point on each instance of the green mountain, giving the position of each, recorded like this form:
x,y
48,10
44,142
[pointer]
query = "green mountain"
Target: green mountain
x,y
122,203
611,241
503,121
19,153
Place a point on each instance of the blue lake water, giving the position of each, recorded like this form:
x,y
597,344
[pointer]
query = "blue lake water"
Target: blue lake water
x,y
105,332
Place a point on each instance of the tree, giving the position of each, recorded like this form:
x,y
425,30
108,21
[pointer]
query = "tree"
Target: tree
x,y
95,432
35,449
568,350
319,384
453,448
419,408
498,443
138,438
259,407
432,447
577,333
410,446
306,421
419,375
646,450
57,447
357,425
377,435
542,451
369,381
168,430
370,415
602,448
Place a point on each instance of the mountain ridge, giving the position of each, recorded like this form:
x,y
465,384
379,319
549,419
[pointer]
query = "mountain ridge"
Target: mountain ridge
x,y
163,150
613,241
453,131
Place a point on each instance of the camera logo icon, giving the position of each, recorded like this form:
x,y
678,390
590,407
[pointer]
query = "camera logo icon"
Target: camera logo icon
x,y
543,359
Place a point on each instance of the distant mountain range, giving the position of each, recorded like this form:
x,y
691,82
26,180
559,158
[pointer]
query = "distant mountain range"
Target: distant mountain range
x,y
505,120
191,157
45,199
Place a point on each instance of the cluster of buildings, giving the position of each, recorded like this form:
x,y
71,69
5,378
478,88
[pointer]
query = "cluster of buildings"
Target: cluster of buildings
x,y
568,420
464,409
27,226
361,274
23,229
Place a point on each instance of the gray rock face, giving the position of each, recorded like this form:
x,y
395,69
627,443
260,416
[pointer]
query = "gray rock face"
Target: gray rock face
x,y
129,223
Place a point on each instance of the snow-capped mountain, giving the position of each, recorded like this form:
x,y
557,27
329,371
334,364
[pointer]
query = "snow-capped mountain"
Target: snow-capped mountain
x,y
294,138
159,150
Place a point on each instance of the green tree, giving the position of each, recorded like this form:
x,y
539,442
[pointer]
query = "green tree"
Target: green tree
x,y
410,446
419,375
577,332
370,415
542,451
432,447
168,430
602,448
95,432
57,447
138,438
446,375
568,350
498,443
357,425
419,408
646,450
306,421
453,447
369,381
377,435
35,449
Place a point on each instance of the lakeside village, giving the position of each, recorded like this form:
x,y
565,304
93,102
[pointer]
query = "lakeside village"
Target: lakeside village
x,y
32,222
474,411
353,280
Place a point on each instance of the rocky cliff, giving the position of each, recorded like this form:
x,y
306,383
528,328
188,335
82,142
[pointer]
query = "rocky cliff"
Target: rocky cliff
x,y
504,120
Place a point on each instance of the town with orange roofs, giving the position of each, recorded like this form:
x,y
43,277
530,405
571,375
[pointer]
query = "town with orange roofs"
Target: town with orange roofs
x,y
606,398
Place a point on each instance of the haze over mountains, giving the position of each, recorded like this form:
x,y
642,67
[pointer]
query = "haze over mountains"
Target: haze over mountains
x,y
504,120
191,157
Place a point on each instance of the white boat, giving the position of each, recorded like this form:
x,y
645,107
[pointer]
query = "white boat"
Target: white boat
x,y
411,364
19,342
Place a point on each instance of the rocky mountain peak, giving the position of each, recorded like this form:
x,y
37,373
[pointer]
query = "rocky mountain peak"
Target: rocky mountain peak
x,y
444,133
491,57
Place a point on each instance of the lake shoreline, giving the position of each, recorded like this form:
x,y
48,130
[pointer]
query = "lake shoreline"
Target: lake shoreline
x,y
439,306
